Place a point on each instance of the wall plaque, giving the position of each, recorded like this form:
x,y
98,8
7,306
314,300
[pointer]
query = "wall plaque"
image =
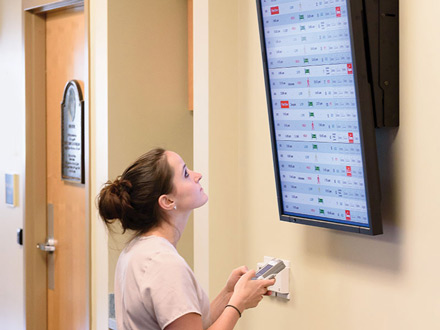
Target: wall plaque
x,y
72,133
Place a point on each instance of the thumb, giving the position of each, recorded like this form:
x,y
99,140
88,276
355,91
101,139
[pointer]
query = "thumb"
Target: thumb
x,y
249,274
267,283
241,270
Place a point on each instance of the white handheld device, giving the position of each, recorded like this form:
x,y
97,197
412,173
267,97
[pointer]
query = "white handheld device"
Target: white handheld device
x,y
270,270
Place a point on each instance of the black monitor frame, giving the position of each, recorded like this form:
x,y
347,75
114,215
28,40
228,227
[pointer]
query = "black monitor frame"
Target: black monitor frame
x,y
375,61
381,38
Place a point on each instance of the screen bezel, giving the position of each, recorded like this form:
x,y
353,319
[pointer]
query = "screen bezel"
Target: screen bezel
x,y
358,36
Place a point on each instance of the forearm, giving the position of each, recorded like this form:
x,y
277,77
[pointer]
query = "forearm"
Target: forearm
x,y
218,304
226,321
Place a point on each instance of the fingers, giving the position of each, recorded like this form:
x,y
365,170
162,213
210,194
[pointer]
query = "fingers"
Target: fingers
x,y
261,287
267,283
250,292
263,290
249,274
241,270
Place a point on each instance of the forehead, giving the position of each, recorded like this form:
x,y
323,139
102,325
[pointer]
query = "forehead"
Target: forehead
x,y
174,160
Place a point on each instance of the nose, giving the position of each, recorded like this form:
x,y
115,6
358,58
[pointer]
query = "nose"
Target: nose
x,y
197,177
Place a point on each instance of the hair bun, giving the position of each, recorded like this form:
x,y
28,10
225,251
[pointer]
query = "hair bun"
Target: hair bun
x,y
114,199
122,185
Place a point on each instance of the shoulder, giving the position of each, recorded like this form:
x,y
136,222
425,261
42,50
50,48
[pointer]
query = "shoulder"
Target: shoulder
x,y
155,255
149,247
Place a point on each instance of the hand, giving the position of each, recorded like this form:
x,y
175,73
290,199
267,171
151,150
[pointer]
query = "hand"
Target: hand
x,y
236,274
248,292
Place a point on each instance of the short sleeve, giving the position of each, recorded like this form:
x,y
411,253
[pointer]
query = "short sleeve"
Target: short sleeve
x,y
170,289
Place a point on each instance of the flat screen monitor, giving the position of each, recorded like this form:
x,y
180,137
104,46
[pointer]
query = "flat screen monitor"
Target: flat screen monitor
x,y
321,113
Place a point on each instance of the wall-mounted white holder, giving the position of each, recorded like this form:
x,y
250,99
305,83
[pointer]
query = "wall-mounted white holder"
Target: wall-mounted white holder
x,y
11,189
281,287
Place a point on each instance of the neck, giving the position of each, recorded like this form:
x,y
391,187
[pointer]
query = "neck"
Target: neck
x,y
171,229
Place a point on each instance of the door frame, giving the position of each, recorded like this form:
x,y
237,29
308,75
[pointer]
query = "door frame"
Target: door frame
x,y
35,271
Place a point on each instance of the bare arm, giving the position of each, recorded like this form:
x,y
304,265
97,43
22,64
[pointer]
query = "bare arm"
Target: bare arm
x,y
193,321
222,299
219,303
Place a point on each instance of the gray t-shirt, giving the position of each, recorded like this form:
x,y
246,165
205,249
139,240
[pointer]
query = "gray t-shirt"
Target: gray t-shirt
x,y
154,286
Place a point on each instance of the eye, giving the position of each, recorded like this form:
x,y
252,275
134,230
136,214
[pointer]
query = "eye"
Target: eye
x,y
186,173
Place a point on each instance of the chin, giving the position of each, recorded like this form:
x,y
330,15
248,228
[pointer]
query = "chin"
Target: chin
x,y
204,200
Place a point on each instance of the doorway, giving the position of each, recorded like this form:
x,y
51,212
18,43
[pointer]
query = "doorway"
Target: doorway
x,y
57,282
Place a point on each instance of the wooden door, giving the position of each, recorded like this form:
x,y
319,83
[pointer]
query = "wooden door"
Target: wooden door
x,y
65,60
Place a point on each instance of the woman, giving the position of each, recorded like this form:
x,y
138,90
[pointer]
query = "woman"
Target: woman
x,y
154,286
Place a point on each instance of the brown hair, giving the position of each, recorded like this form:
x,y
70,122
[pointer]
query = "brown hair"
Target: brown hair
x,y
133,197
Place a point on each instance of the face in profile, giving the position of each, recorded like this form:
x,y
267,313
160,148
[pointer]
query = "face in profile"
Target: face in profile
x,y
187,193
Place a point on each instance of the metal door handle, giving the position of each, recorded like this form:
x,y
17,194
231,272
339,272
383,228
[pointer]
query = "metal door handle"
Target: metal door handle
x,y
49,246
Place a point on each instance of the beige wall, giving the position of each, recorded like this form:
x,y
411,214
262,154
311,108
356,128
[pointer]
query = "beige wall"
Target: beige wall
x,y
338,280
147,95
12,161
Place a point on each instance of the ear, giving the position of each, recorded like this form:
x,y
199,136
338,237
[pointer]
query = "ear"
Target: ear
x,y
166,203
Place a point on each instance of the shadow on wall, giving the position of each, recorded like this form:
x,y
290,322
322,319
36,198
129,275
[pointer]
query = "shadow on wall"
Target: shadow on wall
x,y
2,13
383,251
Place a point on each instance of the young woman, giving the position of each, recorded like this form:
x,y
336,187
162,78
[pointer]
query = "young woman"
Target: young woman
x,y
154,286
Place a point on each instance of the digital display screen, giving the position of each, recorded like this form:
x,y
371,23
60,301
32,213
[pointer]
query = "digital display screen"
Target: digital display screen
x,y
263,270
315,112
